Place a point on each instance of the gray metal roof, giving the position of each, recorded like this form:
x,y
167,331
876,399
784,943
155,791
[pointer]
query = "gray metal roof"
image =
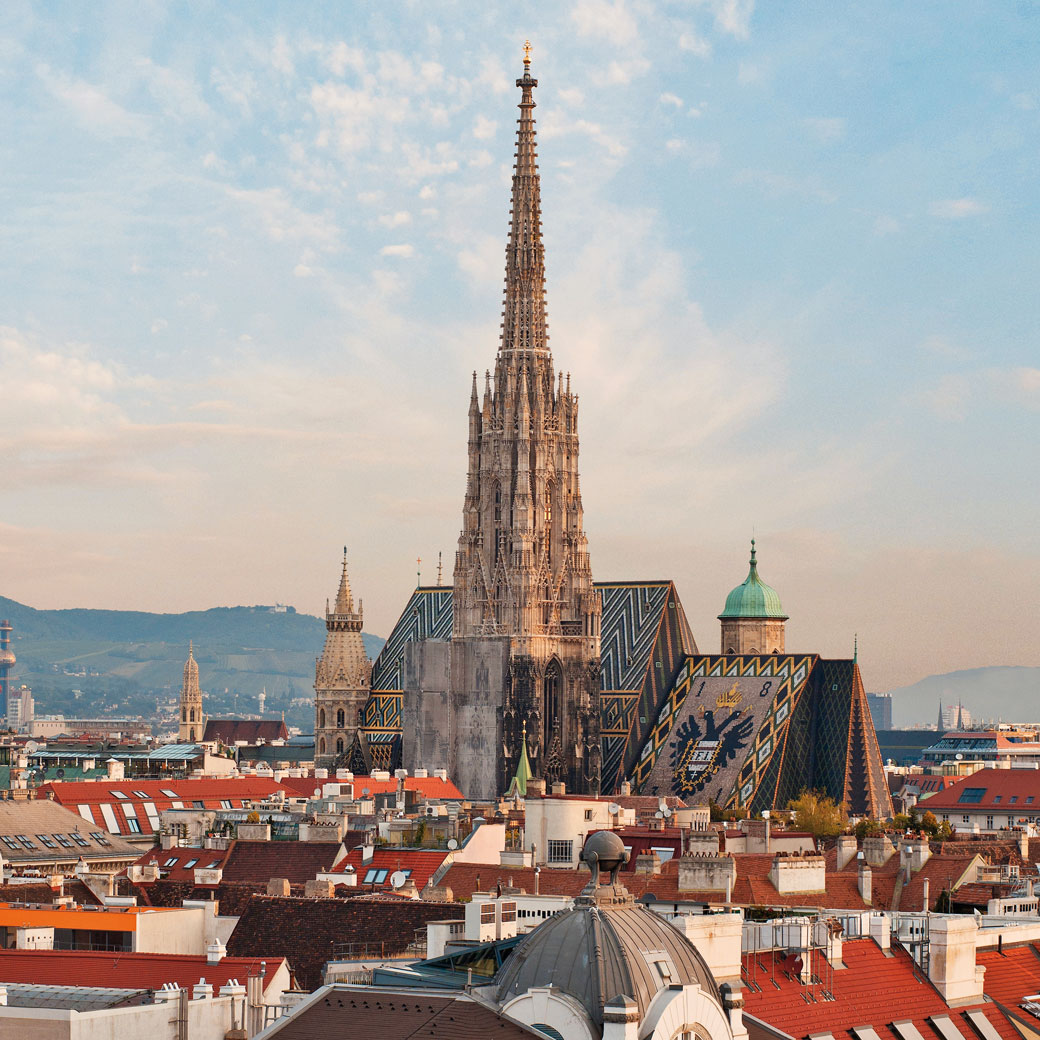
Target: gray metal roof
x,y
596,953
72,998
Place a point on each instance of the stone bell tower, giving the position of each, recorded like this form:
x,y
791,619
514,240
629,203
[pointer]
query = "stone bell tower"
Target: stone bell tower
x,y
526,618
342,676
193,723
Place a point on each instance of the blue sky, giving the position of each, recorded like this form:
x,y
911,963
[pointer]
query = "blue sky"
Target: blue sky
x,y
252,253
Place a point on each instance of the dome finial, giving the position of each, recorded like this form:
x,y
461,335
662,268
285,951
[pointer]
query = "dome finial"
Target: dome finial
x,y
527,54
754,562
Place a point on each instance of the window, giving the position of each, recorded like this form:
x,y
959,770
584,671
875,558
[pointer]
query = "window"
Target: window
x,y
487,913
190,864
560,851
972,796
989,823
63,841
171,862
996,799
10,842
588,814
965,819
213,865
134,824
339,745
321,718
84,811
79,839
24,839
1013,799
100,838
177,804
46,841
1029,799
197,804
340,719
120,794
140,794
225,803
166,791
375,876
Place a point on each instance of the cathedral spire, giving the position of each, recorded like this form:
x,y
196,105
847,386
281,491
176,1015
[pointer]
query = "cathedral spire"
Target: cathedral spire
x,y
523,319
344,598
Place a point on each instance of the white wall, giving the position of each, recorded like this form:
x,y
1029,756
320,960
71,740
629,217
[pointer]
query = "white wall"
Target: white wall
x,y
173,931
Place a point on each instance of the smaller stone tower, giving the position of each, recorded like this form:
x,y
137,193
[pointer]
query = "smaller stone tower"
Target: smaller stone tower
x,y
753,620
342,677
193,723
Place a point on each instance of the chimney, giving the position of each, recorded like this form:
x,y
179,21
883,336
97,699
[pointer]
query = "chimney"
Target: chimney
x,y
846,849
367,851
881,930
866,883
926,905
115,769
626,789
215,952
559,787
535,788
951,961
319,889
202,990
733,1002
278,886
877,850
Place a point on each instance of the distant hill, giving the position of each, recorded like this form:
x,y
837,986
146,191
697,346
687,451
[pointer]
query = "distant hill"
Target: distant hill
x,y
86,662
1009,693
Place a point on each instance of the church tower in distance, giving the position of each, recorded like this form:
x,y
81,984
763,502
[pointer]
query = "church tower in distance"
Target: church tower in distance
x,y
342,676
192,723
522,572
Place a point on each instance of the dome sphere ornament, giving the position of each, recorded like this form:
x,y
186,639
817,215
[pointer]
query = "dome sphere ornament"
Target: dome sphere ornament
x,y
604,851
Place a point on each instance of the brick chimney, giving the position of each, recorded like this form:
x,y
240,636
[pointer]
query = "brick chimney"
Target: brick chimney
x,y
847,849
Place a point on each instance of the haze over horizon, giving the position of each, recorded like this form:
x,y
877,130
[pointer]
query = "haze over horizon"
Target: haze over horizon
x,y
253,254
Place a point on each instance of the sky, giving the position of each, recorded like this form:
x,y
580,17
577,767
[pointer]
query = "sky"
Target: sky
x,y
251,254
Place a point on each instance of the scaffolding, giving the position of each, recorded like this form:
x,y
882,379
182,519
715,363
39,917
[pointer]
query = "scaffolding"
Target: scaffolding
x,y
801,949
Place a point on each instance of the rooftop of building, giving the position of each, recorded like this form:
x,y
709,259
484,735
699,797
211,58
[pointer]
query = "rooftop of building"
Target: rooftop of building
x,y
431,788
248,731
753,598
132,970
37,831
1003,790
875,989
377,872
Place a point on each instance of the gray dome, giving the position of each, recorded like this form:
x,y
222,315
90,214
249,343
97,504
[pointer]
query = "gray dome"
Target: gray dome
x,y
596,953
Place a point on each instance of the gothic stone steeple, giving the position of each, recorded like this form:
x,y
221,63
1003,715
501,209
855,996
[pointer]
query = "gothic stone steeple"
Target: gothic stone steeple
x,y
192,723
522,568
342,676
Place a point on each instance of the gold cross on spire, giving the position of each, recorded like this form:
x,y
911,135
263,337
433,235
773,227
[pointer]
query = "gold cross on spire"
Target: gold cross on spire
x,y
527,52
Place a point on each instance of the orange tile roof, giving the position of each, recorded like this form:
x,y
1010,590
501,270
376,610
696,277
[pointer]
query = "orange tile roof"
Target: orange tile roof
x,y
1005,784
872,988
1011,974
127,970
419,864
430,788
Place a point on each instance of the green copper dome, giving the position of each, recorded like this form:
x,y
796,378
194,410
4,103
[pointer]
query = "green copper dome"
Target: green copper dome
x,y
753,599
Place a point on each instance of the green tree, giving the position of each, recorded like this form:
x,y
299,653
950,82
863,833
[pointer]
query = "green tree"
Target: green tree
x,y
818,814
866,829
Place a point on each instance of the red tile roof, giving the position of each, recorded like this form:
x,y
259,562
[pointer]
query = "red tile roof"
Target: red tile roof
x,y
872,988
259,861
419,864
180,864
228,731
1012,974
430,788
126,970
1005,784
141,801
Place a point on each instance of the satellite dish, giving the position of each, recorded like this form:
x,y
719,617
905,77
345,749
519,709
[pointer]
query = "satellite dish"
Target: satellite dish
x,y
31,747
398,878
666,812
365,792
659,815
958,757
317,792
613,808
453,844
60,773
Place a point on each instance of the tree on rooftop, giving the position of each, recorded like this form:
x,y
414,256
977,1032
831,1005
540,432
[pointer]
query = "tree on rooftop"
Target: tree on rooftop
x,y
866,829
818,814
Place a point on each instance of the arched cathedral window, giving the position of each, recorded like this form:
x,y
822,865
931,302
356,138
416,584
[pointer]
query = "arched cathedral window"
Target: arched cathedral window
x,y
339,746
340,719
321,717
552,690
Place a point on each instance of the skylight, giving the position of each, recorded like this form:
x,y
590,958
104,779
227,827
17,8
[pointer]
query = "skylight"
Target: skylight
x,y
972,795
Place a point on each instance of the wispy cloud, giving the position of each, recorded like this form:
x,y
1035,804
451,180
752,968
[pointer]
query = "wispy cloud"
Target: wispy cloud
x,y
958,209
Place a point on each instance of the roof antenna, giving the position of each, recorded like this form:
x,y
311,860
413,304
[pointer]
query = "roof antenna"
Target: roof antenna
x,y
440,569
418,571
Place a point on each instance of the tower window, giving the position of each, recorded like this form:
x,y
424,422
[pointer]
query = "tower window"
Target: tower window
x,y
321,723
340,718
339,745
